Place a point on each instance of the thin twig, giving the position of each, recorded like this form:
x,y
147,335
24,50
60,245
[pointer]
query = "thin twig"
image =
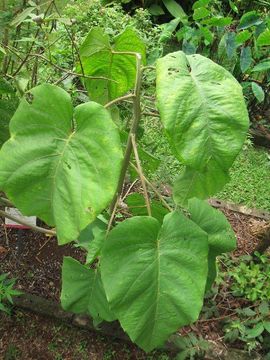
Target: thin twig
x,y
25,223
146,197
150,114
71,38
121,98
129,189
70,72
112,216
5,201
158,194
33,43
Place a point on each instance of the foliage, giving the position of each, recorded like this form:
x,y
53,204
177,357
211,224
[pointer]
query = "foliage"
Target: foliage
x,y
240,43
183,82
191,347
8,105
252,327
251,278
65,165
7,291
67,168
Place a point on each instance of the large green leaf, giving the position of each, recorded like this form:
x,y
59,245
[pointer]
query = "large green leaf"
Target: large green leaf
x,y
193,183
165,271
204,115
221,237
249,19
99,59
245,59
60,165
83,292
264,38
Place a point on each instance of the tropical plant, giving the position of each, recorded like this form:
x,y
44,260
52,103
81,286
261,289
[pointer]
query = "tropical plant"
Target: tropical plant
x,y
7,292
66,166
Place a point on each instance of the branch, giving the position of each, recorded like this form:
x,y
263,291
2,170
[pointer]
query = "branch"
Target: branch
x,y
70,72
134,126
25,223
122,98
146,197
150,114
5,201
158,194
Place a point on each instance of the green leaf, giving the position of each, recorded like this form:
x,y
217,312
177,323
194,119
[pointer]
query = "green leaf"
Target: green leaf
x,y
83,292
198,184
221,237
99,225
50,164
249,19
207,34
22,16
245,59
256,331
258,92
165,271
233,6
266,325
262,66
200,3
230,45
95,41
119,70
264,308
242,37
156,10
168,29
92,238
175,9
264,38
137,207
203,111
200,13
5,87
218,21
2,50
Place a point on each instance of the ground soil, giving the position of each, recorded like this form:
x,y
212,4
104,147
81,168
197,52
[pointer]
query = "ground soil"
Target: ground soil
x,y
35,261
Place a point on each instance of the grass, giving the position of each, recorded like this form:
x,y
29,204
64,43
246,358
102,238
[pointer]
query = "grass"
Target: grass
x,y
250,179
250,174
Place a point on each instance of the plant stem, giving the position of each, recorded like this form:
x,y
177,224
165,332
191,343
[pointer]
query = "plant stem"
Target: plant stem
x,y
133,129
69,72
151,114
122,98
155,190
22,222
32,44
146,197
5,201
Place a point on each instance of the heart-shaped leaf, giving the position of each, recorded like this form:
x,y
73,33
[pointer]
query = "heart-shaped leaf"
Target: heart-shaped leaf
x,y
154,275
204,115
60,165
99,58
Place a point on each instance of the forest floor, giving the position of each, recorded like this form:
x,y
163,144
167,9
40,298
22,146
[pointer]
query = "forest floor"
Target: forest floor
x,y
35,261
